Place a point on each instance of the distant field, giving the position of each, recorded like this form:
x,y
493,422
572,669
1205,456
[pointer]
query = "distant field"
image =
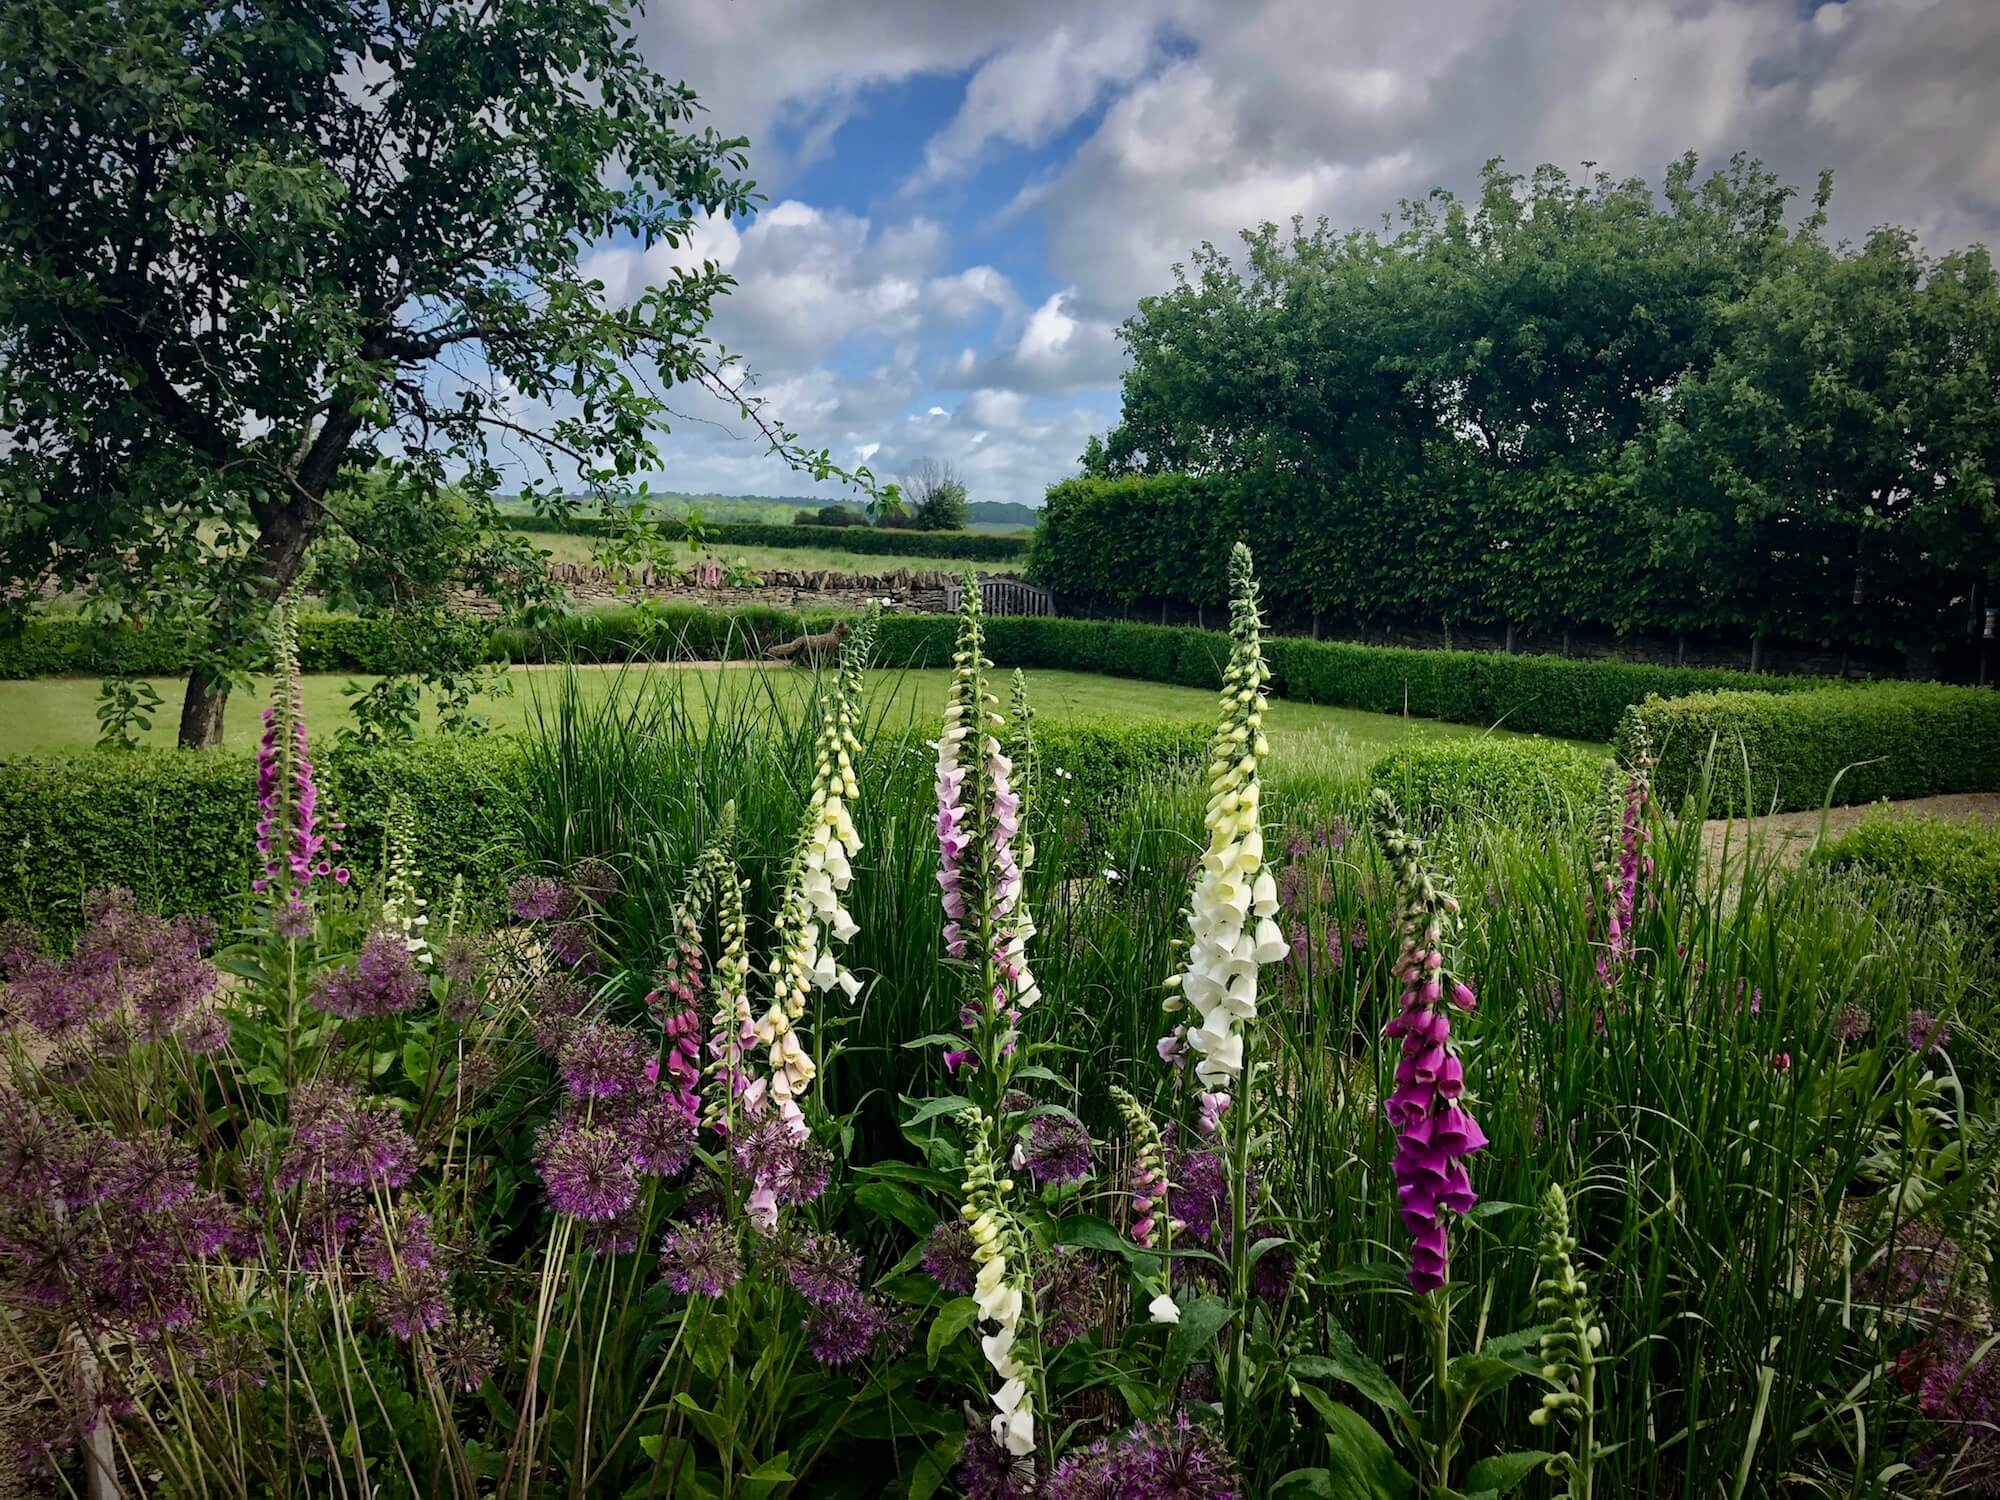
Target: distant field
x,y
57,713
567,547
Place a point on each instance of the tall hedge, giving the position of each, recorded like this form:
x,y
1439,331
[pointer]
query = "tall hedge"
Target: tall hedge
x,y
969,546
1790,752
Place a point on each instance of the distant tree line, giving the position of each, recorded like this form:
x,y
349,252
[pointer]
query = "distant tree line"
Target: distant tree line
x,y
1569,404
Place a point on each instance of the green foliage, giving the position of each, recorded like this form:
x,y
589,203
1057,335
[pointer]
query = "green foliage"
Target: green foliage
x,y
176,459
176,828
1522,780
125,710
379,645
1954,864
1767,752
848,536
1460,420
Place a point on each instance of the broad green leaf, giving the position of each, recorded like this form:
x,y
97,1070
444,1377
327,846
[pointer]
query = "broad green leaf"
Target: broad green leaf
x,y
1497,1475
951,1321
1360,1465
1201,1320
1347,1364
931,1109
893,1201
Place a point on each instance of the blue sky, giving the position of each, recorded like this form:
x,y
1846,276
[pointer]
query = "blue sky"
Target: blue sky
x,y
962,203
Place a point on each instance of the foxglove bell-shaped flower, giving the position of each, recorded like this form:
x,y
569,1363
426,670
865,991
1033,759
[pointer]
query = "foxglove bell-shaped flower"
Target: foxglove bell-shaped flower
x,y
1231,916
1435,1131
999,1250
292,848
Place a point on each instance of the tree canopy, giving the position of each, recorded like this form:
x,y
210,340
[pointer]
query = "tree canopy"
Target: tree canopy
x,y
252,256
1585,402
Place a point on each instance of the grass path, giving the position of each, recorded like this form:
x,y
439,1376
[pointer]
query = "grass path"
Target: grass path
x,y
59,713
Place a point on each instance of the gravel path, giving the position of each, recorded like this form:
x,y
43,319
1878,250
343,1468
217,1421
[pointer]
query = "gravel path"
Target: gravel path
x,y
1790,835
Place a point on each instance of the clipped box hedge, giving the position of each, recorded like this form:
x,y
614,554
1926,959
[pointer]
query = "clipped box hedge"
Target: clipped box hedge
x,y
1955,864
176,826
1787,752
67,646
1534,694
1521,779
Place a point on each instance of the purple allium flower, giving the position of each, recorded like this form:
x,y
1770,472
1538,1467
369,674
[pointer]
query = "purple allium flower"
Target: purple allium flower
x,y
1092,1473
177,980
660,1136
341,1138
1179,1460
1057,1150
1925,1032
620,1236
840,1332
383,1255
157,1174
383,980
586,1170
412,1303
460,960
558,1001
987,1471
572,945
1071,1295
1198,1199
603,1061
538,898
236,1363
293,920
596,881
466,1351
204,1033
772,1156
823,1268
948,1257
1851,1023
701,1259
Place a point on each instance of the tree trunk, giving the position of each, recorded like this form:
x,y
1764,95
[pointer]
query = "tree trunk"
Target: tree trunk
x,y
1757,651
1509,646
201,712
286,526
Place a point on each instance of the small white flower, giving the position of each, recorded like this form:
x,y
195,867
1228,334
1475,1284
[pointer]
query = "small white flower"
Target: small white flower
x,y
1110,875
1164,1309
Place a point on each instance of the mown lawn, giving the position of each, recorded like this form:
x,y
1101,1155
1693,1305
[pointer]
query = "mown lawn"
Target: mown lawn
x,y
60,713
568,547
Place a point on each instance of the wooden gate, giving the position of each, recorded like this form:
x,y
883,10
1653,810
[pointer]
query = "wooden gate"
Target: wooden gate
x,y
1005,596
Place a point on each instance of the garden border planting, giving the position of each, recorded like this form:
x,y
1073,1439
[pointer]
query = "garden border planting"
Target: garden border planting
x,y
171,826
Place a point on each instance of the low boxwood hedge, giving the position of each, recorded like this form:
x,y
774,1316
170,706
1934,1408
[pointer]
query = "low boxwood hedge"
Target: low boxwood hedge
x,y
1763,752
1956,864
1534,694
1521,779
176,827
